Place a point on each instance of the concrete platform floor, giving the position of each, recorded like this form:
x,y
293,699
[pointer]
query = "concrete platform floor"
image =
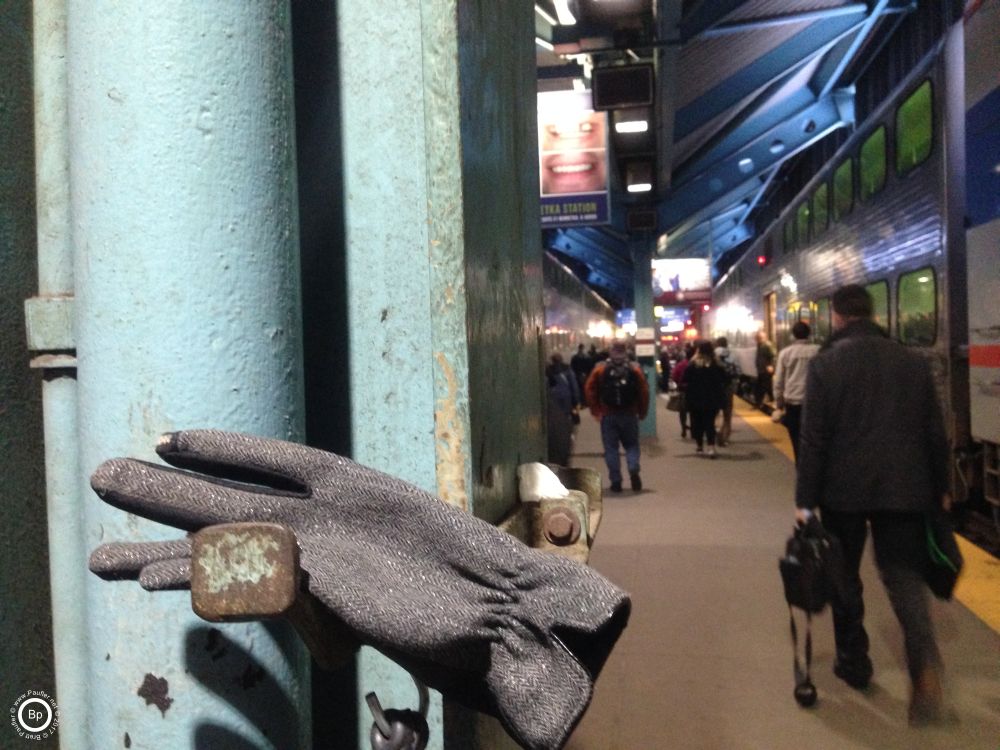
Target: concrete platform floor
x,y
706,661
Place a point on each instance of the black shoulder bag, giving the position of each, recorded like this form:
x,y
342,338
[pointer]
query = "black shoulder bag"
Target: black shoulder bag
x,y
812,575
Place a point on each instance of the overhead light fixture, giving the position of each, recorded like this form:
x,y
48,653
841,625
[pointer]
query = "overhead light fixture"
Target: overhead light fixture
x,y
543,44
541,11
632,126
631,119
639,176
566,18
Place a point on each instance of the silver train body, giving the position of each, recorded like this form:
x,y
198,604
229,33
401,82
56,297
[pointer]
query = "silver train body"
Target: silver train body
x,y
910,232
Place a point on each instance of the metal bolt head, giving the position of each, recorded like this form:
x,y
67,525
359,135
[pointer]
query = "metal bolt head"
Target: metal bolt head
x,y
560,526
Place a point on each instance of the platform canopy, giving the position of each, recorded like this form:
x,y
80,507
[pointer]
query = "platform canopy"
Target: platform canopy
x,y
740,87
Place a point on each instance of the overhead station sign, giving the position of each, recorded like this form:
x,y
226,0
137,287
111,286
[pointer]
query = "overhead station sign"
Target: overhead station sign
x,y
573,160
681,281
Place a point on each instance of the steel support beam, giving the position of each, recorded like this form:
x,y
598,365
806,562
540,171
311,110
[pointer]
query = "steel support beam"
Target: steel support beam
x,y
844,51
769,22
758,157
705,15
811,41
594,256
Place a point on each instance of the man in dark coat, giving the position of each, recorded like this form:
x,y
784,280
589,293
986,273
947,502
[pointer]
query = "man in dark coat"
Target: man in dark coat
x,y
873,450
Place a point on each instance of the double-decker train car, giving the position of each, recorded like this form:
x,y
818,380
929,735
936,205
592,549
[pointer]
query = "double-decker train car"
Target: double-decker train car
x,y
883,205
574,314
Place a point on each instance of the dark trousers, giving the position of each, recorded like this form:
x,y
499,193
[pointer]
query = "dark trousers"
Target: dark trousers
x,y
763,387
620,428
900,553
703,425
793,421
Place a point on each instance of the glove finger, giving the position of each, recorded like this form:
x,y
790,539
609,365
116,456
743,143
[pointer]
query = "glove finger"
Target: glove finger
x,y
118,560
167,575
278,464
177,498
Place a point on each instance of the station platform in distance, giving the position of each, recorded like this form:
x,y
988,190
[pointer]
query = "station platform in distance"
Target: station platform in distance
x,y
706,660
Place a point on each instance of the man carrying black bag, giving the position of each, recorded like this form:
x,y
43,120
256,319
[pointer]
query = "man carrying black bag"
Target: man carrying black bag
x,y
873,451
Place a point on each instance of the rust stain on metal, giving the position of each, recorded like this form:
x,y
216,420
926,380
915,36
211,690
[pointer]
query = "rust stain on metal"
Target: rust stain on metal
x,y
154,691
242,571
450,442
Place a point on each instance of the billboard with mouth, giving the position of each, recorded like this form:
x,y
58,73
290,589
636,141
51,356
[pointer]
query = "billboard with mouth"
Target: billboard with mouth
x,y
573,160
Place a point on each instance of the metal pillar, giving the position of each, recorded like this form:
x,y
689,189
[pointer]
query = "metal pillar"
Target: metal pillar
x,y
187,315
641,249
49,321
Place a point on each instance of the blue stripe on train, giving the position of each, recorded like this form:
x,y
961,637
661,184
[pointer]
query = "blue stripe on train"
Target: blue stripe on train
x,y
982,160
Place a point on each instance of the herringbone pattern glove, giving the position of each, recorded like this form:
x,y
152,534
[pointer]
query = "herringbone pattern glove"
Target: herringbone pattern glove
x,y
468,609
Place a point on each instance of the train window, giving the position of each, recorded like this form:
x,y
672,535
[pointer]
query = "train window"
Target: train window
x,y
821,209
879,290
788,237
843,190
871,164
916,307
802,223
822,320
914,128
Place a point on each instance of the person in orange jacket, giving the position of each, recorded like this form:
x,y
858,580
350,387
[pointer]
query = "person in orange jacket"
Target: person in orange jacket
x,y
618,396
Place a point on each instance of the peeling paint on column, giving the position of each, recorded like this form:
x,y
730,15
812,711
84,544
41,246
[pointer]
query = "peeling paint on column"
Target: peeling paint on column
x,y
452,446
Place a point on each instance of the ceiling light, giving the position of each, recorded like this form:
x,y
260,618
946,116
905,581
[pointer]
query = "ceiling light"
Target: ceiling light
x,y
639,176
563,14
543,44
632,126
541,11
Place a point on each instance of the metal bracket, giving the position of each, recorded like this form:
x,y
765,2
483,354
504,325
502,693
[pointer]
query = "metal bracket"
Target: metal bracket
x,y
250,571
49,328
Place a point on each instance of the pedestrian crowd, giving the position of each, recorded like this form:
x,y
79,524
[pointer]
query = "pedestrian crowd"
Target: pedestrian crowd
x,y
843,403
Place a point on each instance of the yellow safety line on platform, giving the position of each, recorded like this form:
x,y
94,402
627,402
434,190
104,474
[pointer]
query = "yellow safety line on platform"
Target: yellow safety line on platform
x,y
978,588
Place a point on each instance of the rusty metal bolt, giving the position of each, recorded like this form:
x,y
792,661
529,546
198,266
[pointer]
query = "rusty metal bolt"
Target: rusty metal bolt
x,y
560,526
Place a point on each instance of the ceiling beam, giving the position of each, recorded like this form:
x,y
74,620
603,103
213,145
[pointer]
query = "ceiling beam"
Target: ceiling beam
x,y
667,17
596,257
763,143
768,22
705,15
730,175
811,41
844,51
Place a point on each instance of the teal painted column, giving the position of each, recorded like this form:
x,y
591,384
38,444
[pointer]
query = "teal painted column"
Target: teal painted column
x,y
185,238
443,269
50,326
641,249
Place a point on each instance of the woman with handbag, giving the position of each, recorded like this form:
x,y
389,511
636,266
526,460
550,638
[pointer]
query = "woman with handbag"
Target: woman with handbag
x,y
677,375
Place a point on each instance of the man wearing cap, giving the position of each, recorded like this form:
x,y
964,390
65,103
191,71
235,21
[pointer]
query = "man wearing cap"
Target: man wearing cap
x,y
618,396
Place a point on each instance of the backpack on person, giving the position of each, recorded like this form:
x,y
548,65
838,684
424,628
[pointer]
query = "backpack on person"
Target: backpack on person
x,y
619,385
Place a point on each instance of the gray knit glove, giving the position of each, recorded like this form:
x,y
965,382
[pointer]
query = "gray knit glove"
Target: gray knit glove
x,y
469,610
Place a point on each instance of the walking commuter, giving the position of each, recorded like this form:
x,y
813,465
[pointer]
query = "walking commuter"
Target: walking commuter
x,y
705,393
618,396
790,381
732,382
563,409
677,375
581,364
873,451
764,363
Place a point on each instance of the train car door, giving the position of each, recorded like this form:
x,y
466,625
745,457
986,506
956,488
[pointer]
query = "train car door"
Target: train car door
x,y
771,315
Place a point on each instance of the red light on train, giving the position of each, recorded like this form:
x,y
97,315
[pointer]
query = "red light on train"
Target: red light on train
x,y
761,260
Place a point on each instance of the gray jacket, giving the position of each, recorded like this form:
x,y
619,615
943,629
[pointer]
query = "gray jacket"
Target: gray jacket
x,y
872,433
